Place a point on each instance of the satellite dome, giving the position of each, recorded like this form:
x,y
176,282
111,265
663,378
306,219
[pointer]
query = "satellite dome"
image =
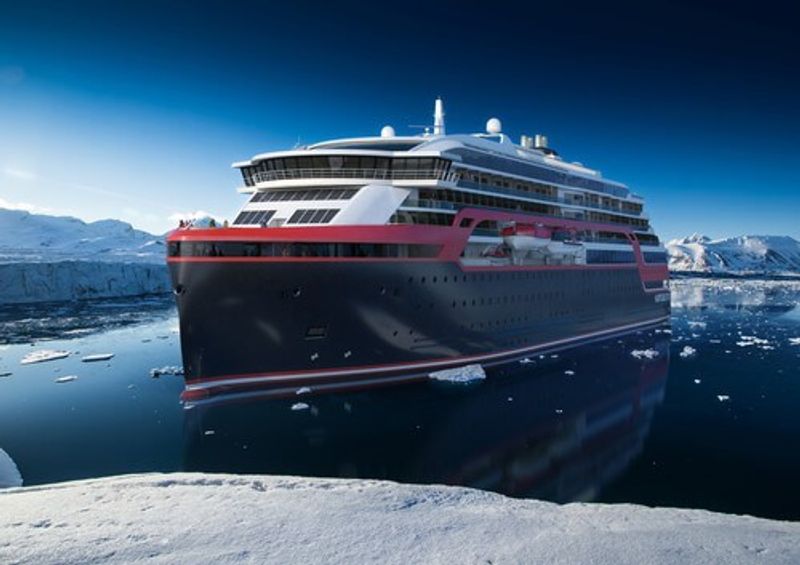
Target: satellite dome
x,y
387,131
493,125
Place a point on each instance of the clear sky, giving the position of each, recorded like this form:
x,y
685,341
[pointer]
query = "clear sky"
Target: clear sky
x,y
135,110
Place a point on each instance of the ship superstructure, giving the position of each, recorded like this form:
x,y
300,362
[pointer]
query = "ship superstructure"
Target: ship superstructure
x,y
378,259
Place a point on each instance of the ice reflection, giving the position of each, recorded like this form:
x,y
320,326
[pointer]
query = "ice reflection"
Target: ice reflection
x,y
558,428
735,294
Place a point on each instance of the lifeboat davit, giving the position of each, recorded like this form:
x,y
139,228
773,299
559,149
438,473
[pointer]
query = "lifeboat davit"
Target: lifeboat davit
x,y
527,237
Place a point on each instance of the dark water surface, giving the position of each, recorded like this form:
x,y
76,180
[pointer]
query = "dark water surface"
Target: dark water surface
x,y
707,416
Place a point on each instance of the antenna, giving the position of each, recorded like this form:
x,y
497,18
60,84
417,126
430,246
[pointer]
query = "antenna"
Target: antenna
x,y
438,117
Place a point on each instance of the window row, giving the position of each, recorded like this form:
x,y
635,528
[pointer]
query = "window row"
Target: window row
x,y
655,256
609,256
312,216
301,249
316,194
344,166
254,217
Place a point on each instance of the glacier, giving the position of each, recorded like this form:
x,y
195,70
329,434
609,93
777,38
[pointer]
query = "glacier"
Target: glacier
x,y
52,258
746,255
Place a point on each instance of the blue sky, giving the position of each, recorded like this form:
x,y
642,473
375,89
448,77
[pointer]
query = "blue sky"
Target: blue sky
x,y
135,111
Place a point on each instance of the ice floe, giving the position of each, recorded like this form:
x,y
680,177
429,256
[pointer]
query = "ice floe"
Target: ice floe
x,y
303,390
300,406
794,341
688,351
644,353
166,370
97,357
466,374
723,397
66,379
43,355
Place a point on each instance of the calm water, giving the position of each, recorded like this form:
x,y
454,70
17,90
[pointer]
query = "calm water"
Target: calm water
x,y
709,421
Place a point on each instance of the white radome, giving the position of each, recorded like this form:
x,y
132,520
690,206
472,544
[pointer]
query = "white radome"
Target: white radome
x,y
493,125
387,131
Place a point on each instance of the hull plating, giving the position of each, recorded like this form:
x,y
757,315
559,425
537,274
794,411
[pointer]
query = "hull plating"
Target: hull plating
x,y
297,323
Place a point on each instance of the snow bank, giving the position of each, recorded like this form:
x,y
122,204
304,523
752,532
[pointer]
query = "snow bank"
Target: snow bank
x,y
196,518
744,255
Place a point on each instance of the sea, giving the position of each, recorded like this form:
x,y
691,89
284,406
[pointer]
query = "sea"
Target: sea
x,y
702,413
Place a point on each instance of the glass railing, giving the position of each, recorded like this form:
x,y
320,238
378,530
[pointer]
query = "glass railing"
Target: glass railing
x,y
348,173
544,197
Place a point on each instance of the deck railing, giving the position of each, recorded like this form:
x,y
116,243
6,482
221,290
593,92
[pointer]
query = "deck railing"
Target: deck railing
x,y
347,173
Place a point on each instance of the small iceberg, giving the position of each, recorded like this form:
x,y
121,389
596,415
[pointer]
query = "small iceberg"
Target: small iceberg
x,y
43,355
299,406
644,353
9,473
794,341
723,397
302,390
97,357
569,372
166,370
461,375
688,351
66,379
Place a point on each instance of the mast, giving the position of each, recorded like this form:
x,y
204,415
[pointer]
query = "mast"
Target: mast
x,y
438,117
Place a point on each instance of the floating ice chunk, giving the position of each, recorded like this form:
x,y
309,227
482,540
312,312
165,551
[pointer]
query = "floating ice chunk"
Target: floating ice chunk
x,y
97,357
299,406
209,433
714,341
43,355
66,379
554,356
697,324
697,381
526,361
644,353
166,370
465,374
569,372
510,399
303,390
794,341
723,397
687,351
9,473
751,340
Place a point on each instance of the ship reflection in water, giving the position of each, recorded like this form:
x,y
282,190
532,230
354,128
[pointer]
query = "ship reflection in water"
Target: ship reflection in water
x,y
557,428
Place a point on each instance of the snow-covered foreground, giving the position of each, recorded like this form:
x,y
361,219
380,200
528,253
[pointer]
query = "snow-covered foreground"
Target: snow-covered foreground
x,y
191,518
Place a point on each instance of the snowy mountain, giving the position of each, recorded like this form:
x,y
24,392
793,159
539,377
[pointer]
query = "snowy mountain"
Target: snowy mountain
x,y
49,258
743,255
34,237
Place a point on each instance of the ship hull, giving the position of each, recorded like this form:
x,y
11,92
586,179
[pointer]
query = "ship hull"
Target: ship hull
x,y
332,324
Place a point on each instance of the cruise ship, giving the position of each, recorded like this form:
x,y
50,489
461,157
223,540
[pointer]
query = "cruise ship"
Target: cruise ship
x,y
385,259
